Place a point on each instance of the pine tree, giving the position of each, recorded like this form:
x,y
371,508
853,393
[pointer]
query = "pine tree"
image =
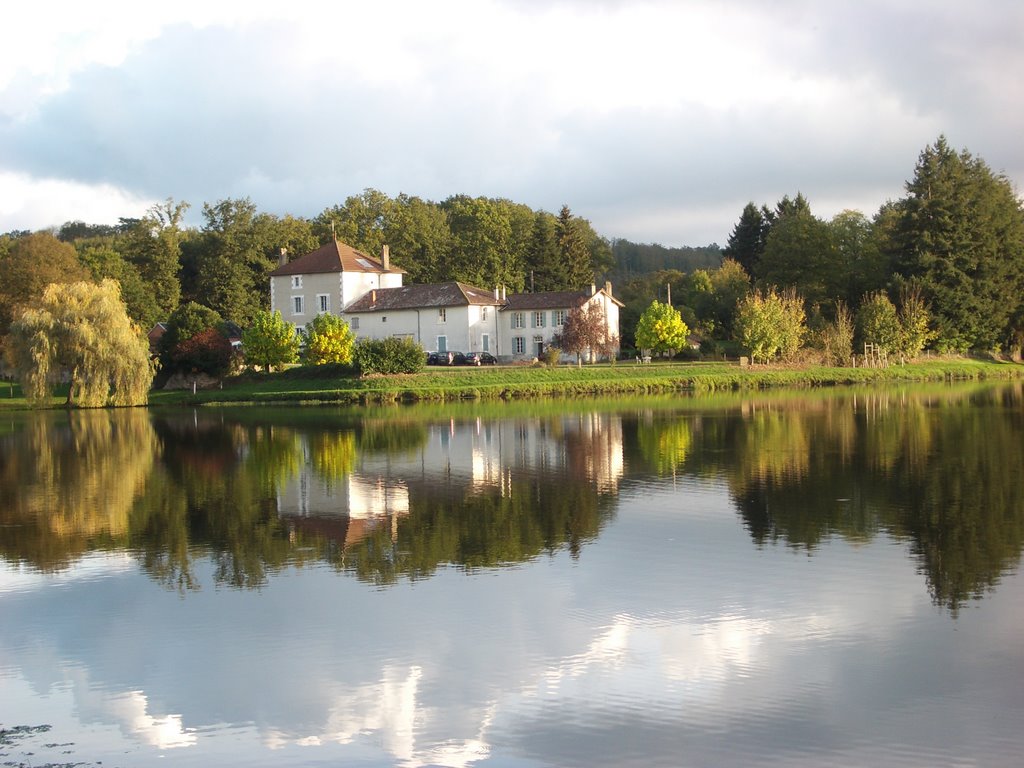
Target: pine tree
x,y
961,234
747,241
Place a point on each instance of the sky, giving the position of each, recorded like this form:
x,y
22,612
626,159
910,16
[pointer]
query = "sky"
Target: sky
x,y
657,121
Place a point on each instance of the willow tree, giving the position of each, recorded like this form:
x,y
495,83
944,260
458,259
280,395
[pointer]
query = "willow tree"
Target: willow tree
x,y
81,330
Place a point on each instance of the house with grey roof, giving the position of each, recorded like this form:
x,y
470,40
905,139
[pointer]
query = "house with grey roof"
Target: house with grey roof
x,y
531,321
444,317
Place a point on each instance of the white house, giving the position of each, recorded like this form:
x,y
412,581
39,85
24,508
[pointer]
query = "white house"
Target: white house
x,y
328,279
530,321
438,316
453,316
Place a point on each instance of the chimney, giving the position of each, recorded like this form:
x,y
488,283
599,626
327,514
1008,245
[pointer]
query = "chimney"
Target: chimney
x,y
282,257
373,297
593,289
385,257
503,292
495,293
608,287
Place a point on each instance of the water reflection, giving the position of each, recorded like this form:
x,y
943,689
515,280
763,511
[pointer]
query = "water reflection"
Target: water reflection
x,y
940,470
654,609
394,494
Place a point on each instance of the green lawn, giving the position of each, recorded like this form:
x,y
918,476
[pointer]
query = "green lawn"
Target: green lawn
x,y
516,382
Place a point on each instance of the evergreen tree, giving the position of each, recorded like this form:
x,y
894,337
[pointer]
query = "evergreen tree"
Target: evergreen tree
x,y
747,241
546,271
961,234
574,250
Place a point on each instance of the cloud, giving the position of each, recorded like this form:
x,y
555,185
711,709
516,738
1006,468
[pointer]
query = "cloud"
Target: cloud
x,y
656,121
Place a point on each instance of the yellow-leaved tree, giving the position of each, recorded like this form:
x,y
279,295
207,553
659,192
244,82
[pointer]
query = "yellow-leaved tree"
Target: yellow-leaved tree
x,y
329,340
82,331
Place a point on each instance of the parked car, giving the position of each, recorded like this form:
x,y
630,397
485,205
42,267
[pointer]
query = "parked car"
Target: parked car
x,y
446,358
480,358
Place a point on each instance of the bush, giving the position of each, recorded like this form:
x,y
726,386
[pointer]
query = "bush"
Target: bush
x,y
552,355
388,356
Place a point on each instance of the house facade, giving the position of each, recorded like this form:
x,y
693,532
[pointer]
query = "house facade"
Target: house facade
x,y
440,317
531,321
327,280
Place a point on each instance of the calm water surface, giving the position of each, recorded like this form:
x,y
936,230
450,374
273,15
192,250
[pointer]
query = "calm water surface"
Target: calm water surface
x,y
812,579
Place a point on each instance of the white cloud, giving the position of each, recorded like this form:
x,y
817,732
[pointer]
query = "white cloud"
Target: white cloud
x,y
33,203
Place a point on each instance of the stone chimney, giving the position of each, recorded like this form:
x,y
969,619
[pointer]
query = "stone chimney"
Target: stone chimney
x,y
385,257
282,257
608,287
593,289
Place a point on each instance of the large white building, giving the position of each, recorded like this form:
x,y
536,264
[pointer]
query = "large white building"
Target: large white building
x,y
442,317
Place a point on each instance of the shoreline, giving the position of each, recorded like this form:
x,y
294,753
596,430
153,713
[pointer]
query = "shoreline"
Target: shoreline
x,y
306,386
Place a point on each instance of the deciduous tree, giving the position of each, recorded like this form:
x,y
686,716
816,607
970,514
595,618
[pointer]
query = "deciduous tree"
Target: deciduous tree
x,y
32,263
83,329
661,329
769,323
329,340
586,331
269,341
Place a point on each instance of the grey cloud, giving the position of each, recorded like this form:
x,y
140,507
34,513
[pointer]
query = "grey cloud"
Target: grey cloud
x,y
205,114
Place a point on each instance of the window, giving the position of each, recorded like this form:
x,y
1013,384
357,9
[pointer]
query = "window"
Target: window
x,y
485,342
324,301
297,308
442,315
354,324
538,319
519,344
558,317
296,281
384,318
483,313
518,320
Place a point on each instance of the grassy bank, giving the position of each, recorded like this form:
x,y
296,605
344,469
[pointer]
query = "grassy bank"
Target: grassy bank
x,y
509,383
302,386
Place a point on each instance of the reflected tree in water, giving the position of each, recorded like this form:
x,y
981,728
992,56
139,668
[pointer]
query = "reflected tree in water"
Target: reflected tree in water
x,y
68,483
943,476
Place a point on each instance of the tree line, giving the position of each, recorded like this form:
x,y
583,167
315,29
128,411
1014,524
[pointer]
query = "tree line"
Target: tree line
x,y
225,263
943,266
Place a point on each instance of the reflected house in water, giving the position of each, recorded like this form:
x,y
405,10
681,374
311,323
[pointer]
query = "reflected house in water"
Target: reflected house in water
x,y
453,460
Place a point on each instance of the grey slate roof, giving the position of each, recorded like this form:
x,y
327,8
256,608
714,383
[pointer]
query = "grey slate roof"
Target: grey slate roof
x,y
452,294
521,302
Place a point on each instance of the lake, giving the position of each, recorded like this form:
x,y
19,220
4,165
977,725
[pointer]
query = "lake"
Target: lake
x,y
811,578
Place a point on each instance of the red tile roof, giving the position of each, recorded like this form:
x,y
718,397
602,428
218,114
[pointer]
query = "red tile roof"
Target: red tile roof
x,y
333,257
